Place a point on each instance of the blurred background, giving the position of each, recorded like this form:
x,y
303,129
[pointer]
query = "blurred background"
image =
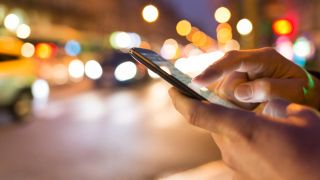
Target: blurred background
x,y
75,105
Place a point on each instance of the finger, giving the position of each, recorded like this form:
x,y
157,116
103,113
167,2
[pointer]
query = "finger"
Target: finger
x,y
262,90
276,108
304,112
215,118
226,86
242,61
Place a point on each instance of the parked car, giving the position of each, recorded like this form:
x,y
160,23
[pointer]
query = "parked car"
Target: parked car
x,y
120,69
17,75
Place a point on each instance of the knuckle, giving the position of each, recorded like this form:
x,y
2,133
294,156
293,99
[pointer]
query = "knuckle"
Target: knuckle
x,y
264,87
249,132
222,91
231,53
268,50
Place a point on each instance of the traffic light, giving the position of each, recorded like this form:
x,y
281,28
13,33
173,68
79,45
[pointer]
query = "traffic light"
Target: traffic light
x,y
282,27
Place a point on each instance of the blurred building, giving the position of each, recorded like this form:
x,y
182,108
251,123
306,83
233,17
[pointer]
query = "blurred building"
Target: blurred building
x,y
58,18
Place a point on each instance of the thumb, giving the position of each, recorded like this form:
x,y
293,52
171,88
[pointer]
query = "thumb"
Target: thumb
x,y
262,90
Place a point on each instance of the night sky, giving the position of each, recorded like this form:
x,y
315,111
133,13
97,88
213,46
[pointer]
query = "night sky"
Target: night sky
x,y
201,14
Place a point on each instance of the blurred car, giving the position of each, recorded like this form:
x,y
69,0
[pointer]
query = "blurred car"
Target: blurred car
x,y
17,75
121,69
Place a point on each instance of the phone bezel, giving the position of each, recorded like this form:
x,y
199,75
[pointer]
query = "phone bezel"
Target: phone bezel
x,y
134,52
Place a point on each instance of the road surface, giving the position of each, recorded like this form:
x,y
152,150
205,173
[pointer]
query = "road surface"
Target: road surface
x,y
118,134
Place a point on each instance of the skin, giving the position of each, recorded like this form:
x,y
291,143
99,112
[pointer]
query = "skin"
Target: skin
x,y
278,142
250,77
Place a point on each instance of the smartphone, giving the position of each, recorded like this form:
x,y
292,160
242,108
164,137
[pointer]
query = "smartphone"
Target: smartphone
x,y
166,70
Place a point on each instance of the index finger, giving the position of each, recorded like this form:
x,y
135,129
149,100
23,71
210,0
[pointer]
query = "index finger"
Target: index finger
x,y
215,118
241,61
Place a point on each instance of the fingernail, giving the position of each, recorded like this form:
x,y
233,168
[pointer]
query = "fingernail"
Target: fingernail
x,y
244,92
197,82
200,80
197,78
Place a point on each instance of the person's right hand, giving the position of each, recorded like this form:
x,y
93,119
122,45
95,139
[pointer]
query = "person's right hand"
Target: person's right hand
x,y
255,76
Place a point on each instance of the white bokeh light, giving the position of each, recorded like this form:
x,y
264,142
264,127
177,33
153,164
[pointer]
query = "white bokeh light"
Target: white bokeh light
x,y
40,89
123,40
244,26
76,69
23,31
125,71
27,50
93,69
150,13
11,22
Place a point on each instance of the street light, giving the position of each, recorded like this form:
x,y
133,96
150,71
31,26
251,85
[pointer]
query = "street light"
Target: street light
x,y
282,27
183,27
11,22
150,13
222,15
23,31
244,27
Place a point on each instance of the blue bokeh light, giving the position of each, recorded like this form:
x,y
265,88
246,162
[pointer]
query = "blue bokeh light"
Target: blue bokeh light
x,y
72,48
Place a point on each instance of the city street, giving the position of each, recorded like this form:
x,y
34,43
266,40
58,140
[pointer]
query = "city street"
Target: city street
x,y
103,134
84,89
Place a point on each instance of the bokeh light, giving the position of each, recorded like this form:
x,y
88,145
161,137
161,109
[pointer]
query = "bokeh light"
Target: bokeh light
x,y
43,50
284,47
125,71
231,45
244,27
166,69
224,32
93,69
23,31
150,13
72,48
135,40
11,22
194,65
282,27
193,30
40,89
183,27
224,35
153,75
303,48
145,45
27,50
224,26
60,74
123,40
76,69
169,49
222,15
112,39
199,38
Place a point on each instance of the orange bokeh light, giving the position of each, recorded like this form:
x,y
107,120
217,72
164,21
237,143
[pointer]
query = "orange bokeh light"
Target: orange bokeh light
x,y
44,50
282,27
199,38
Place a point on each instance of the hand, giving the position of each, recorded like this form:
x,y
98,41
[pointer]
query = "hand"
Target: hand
x,y
281,144
255,76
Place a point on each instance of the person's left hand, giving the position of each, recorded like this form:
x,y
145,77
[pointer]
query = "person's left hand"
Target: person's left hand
x,y
281,144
